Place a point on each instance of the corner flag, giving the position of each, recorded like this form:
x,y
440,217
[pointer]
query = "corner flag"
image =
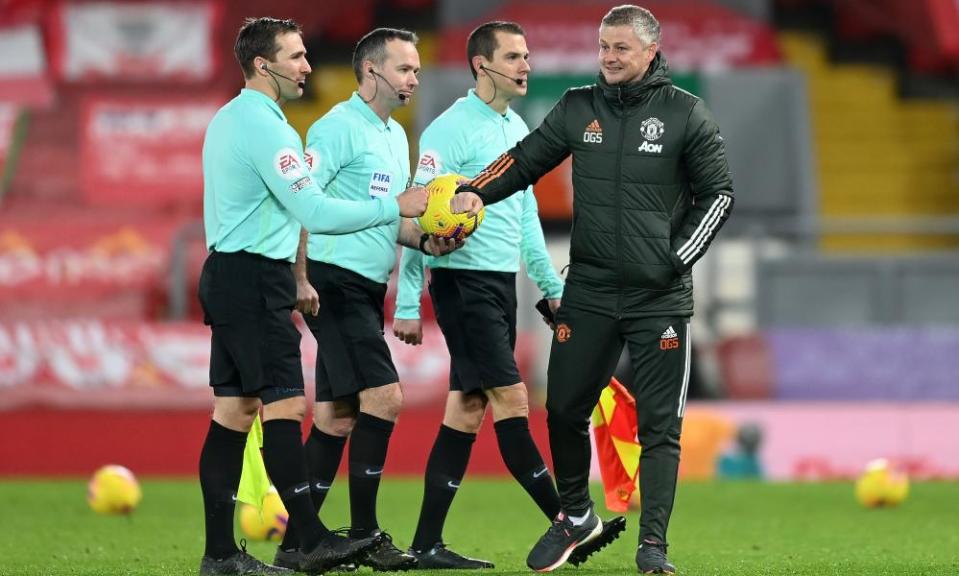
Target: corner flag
x,y
617,449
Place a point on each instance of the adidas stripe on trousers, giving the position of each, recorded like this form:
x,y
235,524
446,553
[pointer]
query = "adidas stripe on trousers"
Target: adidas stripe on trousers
x,y
585,350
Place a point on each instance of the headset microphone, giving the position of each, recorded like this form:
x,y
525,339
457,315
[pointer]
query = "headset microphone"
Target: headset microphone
x,y
519,81
298,83
399,94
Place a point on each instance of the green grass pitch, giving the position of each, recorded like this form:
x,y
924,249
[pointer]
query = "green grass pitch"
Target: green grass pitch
x,y
717,529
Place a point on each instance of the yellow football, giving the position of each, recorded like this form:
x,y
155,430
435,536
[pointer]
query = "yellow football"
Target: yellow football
x,y
438,219
881,485
113,490
268,523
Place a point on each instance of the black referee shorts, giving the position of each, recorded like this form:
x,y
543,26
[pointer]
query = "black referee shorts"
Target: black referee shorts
x,y
247,301
476,310
352,354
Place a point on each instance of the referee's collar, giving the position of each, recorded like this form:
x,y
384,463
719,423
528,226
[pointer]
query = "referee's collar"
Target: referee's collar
x,y
260,97
485,109
357,103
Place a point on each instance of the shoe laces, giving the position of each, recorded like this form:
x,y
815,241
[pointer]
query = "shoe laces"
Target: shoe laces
x,y
655,549
559,530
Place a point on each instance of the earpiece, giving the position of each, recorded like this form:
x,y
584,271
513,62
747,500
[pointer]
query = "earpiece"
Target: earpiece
x,y
402,97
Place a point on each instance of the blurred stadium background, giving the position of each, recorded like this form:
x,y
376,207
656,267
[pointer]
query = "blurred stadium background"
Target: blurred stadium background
x,y
827,326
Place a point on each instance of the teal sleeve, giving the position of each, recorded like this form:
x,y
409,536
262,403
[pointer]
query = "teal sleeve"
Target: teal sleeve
x,y
277,156
409,288
539,266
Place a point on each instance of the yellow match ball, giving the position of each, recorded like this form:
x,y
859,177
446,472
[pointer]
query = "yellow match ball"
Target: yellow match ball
x,y
113,490
881,485
267,524
438,219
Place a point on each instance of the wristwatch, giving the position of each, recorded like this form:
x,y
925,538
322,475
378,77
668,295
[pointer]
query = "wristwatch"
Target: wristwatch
x,y
423,240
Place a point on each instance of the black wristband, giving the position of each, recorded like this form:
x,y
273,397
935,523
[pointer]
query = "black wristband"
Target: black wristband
x,y
467,187
423,239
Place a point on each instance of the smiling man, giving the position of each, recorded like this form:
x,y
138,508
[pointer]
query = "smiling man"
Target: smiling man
x,y
651,190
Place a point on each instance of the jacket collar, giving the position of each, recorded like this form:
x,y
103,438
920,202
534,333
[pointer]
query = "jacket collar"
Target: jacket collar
x,y
628,94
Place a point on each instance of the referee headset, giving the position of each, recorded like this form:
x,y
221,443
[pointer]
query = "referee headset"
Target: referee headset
x,y
518,81
273,76
376,77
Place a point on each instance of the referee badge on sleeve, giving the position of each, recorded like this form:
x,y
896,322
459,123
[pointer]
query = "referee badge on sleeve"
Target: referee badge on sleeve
x,y
288,165
380,183
429,166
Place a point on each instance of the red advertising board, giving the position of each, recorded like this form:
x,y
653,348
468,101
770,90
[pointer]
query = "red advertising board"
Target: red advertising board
x,y
130,42
65,262
144,153
96,364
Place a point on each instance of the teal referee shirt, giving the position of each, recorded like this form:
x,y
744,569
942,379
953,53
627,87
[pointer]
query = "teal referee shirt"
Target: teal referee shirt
x,y
257,188
357,156
464,139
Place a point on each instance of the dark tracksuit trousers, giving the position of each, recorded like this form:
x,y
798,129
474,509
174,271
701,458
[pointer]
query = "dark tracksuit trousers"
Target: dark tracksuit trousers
x,y
586,348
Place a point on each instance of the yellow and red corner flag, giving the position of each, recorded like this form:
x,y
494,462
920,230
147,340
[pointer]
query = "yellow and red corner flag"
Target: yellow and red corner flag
x,y
615,427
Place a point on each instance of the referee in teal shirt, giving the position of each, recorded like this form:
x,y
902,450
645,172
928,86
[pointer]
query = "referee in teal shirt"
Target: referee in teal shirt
x,y
358,152
257,192
474,296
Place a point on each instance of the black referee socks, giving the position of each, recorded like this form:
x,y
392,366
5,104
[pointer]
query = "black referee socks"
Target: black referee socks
x,y
368,444
221,463
286,465
526,464
323,454
444,472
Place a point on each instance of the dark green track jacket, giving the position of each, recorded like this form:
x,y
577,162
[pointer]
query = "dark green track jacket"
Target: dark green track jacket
x,y
651,190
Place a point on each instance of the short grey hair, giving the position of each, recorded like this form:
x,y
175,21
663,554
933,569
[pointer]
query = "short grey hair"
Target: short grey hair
x,y
644,24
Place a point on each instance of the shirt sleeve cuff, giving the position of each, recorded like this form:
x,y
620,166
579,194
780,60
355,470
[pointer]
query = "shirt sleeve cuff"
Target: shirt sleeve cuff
x,y
407,313
391,209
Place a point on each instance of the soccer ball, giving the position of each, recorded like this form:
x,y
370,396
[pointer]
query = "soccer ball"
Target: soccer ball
x,y
266,524
437,219
881,485
113,490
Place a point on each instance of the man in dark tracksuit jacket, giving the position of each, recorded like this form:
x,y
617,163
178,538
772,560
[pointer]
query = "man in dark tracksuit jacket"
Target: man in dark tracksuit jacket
x,y
651,190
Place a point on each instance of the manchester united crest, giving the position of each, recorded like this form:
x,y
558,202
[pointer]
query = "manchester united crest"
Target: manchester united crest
x,y
652,129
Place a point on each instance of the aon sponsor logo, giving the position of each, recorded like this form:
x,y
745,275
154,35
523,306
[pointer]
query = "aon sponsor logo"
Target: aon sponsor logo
x,y
648,147
593,137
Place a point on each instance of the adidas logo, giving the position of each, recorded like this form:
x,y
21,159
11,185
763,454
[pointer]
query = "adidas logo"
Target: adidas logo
x,y
669,340
593,133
